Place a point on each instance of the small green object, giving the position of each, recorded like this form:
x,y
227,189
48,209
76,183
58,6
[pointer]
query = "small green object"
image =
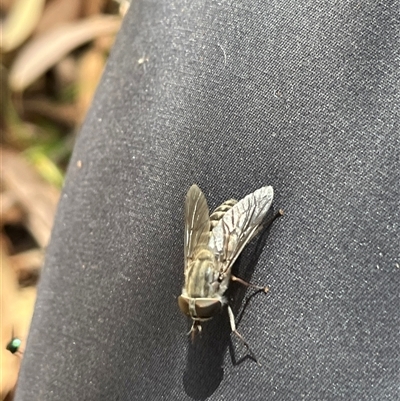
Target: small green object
x,y
13,345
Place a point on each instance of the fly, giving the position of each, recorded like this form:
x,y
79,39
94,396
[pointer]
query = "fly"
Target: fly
x,y
14,345
212,243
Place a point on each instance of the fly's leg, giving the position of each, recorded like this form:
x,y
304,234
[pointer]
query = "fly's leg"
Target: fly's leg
x,y
196,327
233,328
279,213
256,287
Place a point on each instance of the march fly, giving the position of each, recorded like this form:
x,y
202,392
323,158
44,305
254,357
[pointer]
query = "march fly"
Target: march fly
x,y
212,243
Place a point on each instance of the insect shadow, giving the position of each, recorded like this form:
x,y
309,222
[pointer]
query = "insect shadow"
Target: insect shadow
x,y
204,368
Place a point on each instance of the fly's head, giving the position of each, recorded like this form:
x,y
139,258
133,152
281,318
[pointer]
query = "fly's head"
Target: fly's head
x,y
199,310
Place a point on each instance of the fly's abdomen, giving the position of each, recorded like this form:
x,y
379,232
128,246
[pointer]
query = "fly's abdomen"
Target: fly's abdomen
x,y
219,212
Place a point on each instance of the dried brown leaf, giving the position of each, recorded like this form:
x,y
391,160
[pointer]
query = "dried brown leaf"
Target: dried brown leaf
x,y
93,7
124,7
65,72
47,49
9,296
20,22
58,12
65,114
90,69
5,6
27,265
37,198
16,319
10,211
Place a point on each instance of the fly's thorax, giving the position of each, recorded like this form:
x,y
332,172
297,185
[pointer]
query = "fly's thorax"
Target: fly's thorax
x,y
202,276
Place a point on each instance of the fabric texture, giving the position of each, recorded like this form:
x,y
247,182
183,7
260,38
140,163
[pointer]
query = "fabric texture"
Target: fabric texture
x,y
232,96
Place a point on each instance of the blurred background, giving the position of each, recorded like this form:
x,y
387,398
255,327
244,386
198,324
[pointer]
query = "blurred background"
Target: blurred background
x,y
52,56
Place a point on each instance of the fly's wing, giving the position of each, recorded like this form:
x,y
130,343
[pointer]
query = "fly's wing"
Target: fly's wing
x,y
197,222
239,225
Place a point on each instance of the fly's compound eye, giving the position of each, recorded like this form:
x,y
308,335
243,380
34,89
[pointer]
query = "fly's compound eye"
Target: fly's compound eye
x,y
207,308
199,308
183,303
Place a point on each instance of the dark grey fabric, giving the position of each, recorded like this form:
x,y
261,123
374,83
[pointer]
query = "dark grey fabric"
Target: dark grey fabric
x,y
301,95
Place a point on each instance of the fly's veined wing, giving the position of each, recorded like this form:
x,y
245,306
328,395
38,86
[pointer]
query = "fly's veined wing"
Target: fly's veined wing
x,y
238,226
197,222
